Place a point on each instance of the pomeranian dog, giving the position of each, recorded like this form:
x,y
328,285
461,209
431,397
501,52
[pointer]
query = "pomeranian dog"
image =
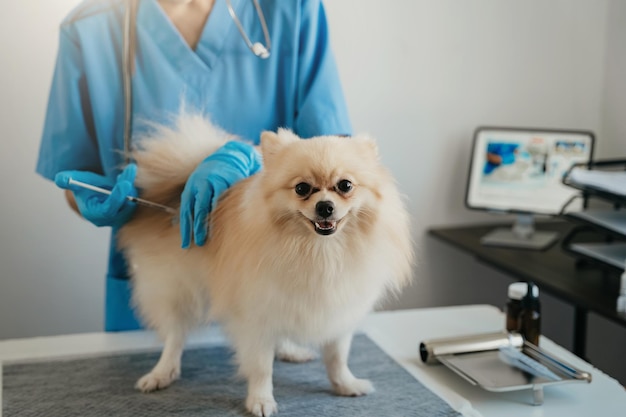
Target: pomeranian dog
x,y
297,254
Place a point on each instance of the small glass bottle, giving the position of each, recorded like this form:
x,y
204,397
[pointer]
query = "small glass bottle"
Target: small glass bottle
x,y
513,308
530,317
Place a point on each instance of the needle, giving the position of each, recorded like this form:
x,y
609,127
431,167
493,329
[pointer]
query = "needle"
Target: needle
x,y
137,200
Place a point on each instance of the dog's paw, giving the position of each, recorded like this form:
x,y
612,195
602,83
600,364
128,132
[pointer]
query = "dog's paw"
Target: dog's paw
x,y
293,353
261,406
156,380
354,388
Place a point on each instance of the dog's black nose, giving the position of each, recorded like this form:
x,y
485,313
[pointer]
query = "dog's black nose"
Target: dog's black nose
x,y
324,209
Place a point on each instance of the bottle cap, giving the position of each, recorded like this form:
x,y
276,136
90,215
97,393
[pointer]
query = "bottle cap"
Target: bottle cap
x,y
518,290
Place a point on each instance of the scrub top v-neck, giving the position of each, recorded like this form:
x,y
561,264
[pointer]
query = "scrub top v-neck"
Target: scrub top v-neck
x,y
174,47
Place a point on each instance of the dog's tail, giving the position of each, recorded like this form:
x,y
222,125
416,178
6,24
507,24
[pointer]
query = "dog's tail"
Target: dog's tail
x,y
166,156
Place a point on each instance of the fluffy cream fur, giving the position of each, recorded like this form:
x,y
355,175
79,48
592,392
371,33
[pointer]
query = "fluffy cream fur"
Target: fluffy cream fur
x,y
268,274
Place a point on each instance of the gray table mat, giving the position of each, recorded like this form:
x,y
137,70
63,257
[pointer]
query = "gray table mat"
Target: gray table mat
x,y
103,386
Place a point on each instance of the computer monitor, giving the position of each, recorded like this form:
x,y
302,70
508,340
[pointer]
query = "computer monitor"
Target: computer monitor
x,y
520,171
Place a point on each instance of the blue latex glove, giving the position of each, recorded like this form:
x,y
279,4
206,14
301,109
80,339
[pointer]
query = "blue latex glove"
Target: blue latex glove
x,y
102,209
231,163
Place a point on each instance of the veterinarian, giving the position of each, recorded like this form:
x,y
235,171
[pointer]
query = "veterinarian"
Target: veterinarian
x,y
248,67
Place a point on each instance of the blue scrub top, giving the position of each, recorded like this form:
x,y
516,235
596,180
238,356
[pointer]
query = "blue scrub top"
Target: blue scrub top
x,y
297,87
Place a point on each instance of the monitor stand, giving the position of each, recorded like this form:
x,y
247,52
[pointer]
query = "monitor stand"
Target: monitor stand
x,y
522,235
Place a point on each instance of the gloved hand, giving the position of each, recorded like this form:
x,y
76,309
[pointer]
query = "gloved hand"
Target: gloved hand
x,y
231,163
102,209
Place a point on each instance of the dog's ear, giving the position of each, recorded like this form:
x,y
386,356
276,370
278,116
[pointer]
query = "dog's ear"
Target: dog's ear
x,y
272,142
287,135
368,143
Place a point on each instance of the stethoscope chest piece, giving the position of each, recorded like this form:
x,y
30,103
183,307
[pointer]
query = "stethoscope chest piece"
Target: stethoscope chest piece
x,y
260,50
257,48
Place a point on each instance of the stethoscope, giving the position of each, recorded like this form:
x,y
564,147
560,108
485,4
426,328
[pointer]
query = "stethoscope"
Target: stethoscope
x,y
129,46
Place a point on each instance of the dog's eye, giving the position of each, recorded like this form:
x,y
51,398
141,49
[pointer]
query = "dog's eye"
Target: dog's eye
x,y
344,186
303,189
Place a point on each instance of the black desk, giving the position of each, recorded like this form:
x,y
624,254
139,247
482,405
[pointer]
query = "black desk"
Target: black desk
x,y
586,286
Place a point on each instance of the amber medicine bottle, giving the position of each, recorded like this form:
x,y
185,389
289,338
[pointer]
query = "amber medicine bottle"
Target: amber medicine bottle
x,y
513,308
523,311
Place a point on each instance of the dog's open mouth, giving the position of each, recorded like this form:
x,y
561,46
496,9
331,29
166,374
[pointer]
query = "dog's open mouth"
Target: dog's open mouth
x,y
325,227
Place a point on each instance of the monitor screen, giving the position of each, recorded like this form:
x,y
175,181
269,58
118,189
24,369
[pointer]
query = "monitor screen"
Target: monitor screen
x,y
520,170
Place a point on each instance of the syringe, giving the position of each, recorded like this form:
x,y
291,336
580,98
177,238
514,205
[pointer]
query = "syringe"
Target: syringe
x,y
137,200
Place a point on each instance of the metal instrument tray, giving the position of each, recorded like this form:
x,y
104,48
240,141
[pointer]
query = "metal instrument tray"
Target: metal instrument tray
x,y
478,360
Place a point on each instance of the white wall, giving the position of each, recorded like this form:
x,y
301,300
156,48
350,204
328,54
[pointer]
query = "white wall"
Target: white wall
x,y
51,263
419,75
614,103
